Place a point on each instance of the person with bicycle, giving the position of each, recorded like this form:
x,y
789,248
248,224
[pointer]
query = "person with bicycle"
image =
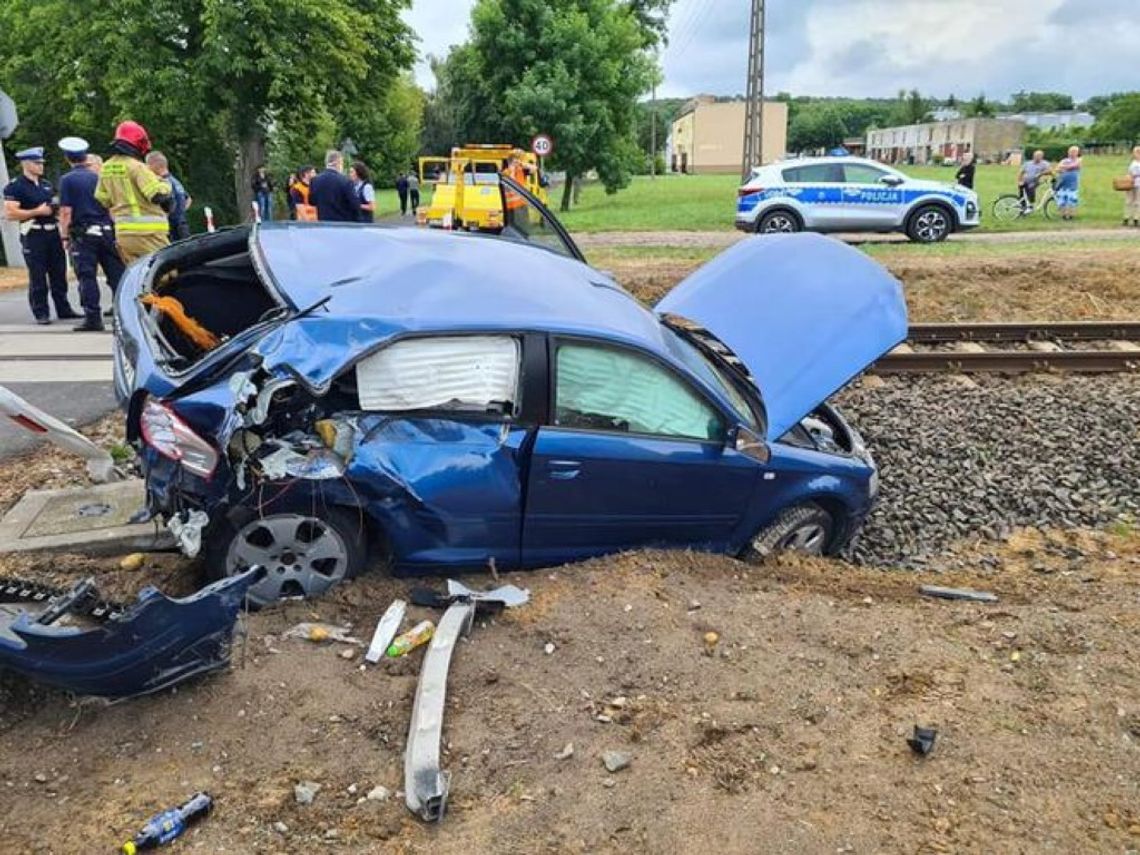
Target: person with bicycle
x,y
1029,177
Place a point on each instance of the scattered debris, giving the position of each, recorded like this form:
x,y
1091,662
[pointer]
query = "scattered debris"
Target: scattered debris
x,y
548,648
100,464
419,634
566,753
922,742
386,630
347,653
425,785
957,594
134,561
186,526
170,824
151,645
615,761
305,791
280,827
379,794
511,596
318,632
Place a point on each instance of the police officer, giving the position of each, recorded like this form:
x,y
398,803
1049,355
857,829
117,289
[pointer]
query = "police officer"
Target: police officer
x,y
28,201
88,232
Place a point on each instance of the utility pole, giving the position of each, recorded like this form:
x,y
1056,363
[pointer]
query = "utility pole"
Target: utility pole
x,y
9,231
754,100
653,132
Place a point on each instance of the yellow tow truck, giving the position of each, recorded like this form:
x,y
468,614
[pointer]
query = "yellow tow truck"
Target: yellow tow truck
x,y
465,186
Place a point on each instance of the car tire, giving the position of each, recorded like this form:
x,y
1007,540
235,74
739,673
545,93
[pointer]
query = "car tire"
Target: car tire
x,y
305,545
805,528
930,224
778,222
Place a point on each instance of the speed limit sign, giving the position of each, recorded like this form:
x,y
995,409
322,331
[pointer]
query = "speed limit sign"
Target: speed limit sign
x,y
542,145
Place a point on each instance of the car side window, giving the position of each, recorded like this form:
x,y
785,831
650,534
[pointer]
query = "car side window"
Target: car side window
x,y
816,173
861,173
468,374
602,388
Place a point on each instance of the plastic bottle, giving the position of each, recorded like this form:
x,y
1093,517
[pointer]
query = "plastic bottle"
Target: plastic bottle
x,y
169,824
419,634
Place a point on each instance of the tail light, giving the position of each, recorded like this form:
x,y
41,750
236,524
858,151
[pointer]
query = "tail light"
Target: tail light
x,y
171,437
748,191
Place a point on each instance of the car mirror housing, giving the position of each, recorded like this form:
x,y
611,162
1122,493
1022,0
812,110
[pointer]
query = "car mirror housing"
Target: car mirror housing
x,y
745,441
891,180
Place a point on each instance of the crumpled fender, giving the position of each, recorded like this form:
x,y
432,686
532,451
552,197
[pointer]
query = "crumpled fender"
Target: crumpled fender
x,y
156,643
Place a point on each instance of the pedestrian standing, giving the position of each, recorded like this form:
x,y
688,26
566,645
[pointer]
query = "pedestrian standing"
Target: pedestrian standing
x,y
414,191
1132,197
28,201
1068,184
965,174
402,192
292,205
137,198
262,185
365,192
179,227
333,194
299,194
88,232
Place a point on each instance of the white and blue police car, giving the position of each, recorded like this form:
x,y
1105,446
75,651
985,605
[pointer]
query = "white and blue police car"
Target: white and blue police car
x,y
851,194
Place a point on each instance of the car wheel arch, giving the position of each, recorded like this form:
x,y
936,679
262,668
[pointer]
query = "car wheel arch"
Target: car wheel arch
x,y
932,202
782,208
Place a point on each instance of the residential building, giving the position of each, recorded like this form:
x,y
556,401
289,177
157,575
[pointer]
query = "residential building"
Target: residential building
x,y
708,135
945,114
1054,120
990,140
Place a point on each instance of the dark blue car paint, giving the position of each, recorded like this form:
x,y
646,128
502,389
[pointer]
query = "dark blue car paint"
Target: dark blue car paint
x,y
154,644
452,492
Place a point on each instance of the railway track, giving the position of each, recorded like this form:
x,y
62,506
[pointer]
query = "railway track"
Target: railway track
x,y
1098,347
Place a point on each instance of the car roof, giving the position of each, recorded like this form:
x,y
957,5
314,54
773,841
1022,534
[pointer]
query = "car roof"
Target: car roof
x,y
420,280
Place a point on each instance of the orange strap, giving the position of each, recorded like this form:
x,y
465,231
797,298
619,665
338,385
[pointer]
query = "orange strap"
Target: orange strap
x,y
189,327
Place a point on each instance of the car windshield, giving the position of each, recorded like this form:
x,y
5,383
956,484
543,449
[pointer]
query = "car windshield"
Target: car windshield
x,y
712,374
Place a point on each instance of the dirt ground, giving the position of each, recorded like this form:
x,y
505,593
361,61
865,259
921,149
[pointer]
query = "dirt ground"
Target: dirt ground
x,y
785,735
1100,284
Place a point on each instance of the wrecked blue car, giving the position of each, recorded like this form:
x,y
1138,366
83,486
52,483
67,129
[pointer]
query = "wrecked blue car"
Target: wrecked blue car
x,y
322,398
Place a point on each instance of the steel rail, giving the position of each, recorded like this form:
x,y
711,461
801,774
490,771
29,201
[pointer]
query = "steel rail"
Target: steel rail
x,y
1009,362
1033,331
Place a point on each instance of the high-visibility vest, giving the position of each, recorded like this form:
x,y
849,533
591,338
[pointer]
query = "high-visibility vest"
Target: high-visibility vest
x,y
126,187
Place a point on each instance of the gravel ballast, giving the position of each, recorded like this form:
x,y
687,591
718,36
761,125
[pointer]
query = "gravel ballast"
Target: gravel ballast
x,y
978,457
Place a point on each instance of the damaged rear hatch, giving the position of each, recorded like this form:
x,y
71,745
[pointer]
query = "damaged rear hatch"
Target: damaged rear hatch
x,y
805,313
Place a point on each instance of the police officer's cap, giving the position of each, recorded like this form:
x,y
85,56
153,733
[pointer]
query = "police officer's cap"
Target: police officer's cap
x,y
75,148
34,153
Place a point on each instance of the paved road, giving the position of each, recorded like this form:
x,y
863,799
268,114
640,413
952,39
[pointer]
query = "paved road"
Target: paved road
x,y
716,239
65,373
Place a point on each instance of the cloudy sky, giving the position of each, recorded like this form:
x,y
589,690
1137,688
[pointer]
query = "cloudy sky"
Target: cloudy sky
x,y
876,47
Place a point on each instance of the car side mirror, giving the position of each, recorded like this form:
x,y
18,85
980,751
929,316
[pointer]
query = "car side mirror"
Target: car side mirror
x,y
745,441
891,180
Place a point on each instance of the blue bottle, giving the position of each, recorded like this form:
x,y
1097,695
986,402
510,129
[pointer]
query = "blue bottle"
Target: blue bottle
x,y
169,824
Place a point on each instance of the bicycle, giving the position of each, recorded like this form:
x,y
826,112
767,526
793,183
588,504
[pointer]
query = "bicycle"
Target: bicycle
x,y
1014,206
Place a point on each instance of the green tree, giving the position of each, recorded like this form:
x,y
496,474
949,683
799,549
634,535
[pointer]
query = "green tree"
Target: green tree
x,y
1040,102
817,126
574,69
218,83
910,109
1099,104
1121,121
980,107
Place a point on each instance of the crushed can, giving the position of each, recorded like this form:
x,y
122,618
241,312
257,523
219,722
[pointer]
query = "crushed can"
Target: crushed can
x,y
169,824
419,634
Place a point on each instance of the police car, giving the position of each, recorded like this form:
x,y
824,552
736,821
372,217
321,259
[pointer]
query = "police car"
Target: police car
x,y
850,194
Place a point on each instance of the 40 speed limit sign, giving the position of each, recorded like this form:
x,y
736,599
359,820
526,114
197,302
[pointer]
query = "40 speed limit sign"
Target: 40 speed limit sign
x,y
542,145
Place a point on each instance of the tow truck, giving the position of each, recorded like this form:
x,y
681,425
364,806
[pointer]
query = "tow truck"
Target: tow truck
x,y
465,193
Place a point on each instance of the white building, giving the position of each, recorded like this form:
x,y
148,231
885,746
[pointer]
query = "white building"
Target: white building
x,y
1051,121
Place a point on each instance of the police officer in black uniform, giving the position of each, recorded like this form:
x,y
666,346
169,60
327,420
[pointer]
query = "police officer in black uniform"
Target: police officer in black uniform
x,y
88,231
28,201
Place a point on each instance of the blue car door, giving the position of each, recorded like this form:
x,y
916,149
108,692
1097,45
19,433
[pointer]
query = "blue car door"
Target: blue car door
x,y
633,456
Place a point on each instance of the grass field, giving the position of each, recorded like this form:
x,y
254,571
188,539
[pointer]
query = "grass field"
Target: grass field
x,y
708,202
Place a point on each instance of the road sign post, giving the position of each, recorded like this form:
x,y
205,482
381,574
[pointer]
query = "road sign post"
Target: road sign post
x,y
9,231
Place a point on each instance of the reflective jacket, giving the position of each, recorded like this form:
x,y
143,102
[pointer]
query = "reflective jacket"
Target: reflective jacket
x,y
126,187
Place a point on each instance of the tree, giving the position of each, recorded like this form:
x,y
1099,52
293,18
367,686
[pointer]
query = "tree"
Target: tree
x,y
1040,102
816,127
980,107
1121,121
910,109
1099,104
574,69
218,83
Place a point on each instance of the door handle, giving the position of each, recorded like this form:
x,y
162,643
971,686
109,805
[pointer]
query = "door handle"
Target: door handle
x,y
563,470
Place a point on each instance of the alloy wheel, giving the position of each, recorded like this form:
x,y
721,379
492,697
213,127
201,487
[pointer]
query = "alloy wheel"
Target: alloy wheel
x,y
931,226
302,556
809,539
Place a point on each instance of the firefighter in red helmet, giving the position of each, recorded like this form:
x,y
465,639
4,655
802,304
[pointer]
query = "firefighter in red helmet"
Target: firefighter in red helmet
x,y
137,198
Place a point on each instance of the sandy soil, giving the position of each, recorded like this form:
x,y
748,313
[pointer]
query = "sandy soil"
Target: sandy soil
x,y
786,735
1101,284
726,238
13,277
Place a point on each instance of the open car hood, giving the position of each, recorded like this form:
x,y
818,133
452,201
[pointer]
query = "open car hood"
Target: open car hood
x,y
805,313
